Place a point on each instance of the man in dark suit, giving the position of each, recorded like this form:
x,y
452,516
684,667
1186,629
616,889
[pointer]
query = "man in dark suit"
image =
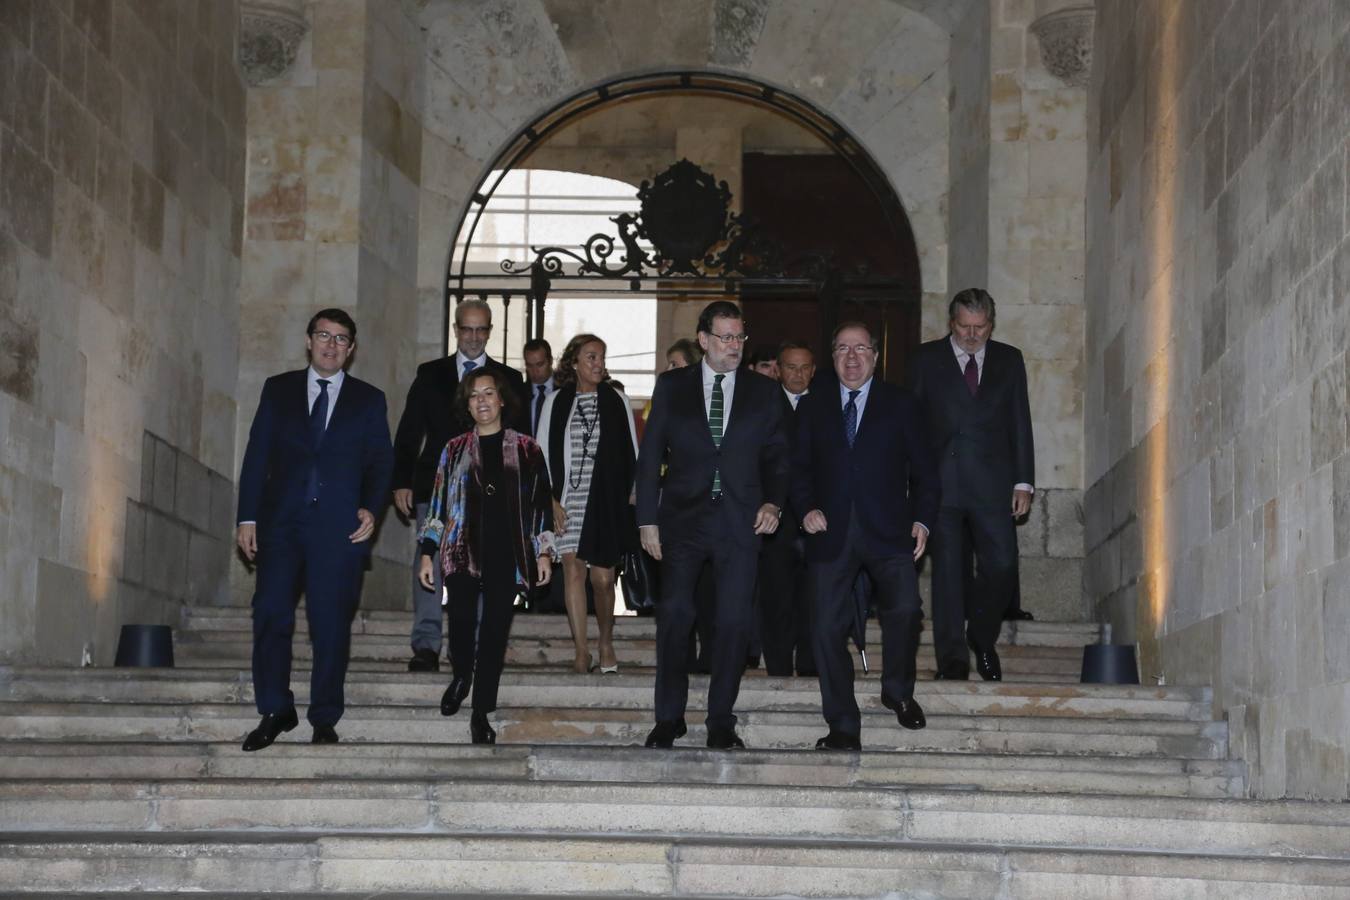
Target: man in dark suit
x,y
315,476
974,396
784,591
430,419
866,479
721,433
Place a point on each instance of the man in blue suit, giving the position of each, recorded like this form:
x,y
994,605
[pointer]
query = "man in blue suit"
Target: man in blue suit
x,y
865,479
315,475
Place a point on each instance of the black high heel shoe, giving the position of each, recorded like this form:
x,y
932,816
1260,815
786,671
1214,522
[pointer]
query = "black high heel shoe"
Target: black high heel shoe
x,y
480,732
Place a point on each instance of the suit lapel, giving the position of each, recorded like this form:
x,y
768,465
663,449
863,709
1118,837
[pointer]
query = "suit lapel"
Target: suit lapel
x,y
344,409
698,410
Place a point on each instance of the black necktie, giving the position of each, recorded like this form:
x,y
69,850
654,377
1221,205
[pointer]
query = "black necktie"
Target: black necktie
x,y
539,405
851,418
318,422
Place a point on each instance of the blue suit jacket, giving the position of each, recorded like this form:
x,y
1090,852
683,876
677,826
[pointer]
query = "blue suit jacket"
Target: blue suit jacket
x,y
889,475
355,458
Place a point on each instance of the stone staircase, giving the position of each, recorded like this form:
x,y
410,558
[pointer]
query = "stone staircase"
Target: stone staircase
x,y
121,781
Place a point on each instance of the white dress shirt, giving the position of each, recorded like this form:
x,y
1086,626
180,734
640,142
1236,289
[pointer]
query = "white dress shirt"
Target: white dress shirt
x,y
794,399
728,389
860,402
334,386
549,389
961,359
461,359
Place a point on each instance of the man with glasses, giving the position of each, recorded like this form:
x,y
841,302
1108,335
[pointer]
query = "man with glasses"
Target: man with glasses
x,y
865,479
973,391
315,477
429,421
721,433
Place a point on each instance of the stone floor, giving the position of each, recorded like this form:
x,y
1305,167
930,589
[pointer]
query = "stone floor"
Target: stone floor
x,y
131,781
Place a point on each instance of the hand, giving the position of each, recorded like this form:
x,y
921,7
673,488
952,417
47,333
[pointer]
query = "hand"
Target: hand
x,y
424,573
403,502
559,520
651,540
367,527
545,566
920,535
814,522
766,520
247,538
1021,503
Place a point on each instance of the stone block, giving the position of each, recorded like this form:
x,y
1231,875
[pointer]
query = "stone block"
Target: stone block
x,y
222,506
147,208
1053,588
133,549
1316,767
27,195
1064,523
19,354
1335,621
208,561
165,469
166,555
29,118
192,493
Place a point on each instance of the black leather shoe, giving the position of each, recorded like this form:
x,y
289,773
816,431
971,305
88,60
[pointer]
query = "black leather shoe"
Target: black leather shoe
x,y
664,734
454,695
324,734
269,729
987,664
839,740
1017,615
424,660
724,739
907,712
480,732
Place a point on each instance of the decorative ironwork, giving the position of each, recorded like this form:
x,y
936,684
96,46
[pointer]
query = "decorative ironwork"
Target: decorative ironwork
x,y
684,214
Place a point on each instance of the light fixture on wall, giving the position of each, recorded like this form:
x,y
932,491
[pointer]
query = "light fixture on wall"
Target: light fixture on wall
x,y
1065,38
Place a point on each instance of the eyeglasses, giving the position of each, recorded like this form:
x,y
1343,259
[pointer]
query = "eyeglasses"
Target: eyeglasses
x,y
856,349
325,337
730,338
474,329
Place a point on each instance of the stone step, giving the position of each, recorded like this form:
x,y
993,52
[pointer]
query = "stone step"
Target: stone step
x,y
200,620
622,691
1065,662
236,865
747,812
533,724
807,768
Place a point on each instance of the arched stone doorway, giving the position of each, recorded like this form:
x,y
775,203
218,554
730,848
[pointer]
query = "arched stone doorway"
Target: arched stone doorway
x,y
817,194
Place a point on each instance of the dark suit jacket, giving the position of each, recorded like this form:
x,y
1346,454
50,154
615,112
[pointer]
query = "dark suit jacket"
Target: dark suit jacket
x,y
983,443
888,476
354,459
430,419
753,459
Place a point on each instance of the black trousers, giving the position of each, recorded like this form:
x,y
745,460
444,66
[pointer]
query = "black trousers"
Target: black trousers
x,y
733,579
489,632
975,613
784,602
896,599
291,559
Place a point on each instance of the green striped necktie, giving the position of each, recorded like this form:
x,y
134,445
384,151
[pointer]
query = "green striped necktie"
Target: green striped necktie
x,y
715,426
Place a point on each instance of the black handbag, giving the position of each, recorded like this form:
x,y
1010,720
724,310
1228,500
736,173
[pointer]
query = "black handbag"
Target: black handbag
x,y
639,578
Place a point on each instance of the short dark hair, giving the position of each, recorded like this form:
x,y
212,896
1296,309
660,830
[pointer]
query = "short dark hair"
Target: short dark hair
x,y
977,300
762,355
853,323
505,390
534,344
718,309
793,345
690,350
335,315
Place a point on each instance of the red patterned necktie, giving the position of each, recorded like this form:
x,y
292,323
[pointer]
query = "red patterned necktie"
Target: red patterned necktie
x,y
972,375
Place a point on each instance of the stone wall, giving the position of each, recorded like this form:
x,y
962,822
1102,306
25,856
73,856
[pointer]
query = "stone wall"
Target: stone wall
x,y
334,150
121,173
1215,437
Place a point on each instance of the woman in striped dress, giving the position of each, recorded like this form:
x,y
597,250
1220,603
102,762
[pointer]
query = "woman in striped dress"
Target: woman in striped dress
x,y
586,431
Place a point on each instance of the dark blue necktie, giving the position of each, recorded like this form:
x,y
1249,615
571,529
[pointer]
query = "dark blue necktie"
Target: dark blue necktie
x,y
318,422
469,366
851,418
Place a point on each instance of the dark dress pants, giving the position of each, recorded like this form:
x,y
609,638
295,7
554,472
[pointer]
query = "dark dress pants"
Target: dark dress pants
x,y
489,631
784,594
733,585
328,568
976,613
896,599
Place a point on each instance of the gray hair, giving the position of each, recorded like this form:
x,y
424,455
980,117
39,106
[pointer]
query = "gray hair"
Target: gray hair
x,y
976,300
466,305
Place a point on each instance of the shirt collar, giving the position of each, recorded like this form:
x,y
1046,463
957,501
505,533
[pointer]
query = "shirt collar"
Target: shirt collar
x,y
961,352
461,359
862,391
708,375
334,381
548,385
